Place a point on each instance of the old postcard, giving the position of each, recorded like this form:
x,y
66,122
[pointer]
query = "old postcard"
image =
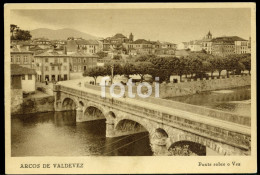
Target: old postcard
x,y
130,88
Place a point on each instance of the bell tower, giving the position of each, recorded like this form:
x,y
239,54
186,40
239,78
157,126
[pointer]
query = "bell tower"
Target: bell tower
x,y
208,36
131,37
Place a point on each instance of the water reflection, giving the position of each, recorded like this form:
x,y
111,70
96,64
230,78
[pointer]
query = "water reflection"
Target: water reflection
x,y
58,134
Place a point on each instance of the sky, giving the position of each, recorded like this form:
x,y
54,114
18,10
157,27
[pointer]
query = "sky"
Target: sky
x,y
173,25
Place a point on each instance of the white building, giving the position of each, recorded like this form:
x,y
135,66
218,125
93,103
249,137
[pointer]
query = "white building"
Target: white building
x,y
182,45
23,78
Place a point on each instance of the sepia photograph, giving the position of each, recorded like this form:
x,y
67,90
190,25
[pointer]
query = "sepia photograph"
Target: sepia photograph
x,y
113,81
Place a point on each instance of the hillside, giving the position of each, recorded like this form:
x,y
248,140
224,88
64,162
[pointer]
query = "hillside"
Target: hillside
x,y
59,34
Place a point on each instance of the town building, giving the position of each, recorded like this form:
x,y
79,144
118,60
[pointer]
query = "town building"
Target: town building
x,y
22,57
228,45
140,46
182,45
81,61
207,43
52,66
249,45
82,45
88,46
195,45
23,78
43,43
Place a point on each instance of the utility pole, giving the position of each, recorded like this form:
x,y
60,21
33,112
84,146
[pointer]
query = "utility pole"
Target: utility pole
x,y
112,73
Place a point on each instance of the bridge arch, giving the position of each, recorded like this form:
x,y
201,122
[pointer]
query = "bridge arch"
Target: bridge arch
x,y
187,148
95,105
93,113
69,103
146,125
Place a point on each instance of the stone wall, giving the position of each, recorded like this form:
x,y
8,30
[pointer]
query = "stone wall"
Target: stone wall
x,y
16,100
193,87
35,105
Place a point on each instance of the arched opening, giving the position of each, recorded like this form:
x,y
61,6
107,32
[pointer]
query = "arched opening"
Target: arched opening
x,y
81,104
69,104
93,113
129,127
187,148
161,133
131,139
111,115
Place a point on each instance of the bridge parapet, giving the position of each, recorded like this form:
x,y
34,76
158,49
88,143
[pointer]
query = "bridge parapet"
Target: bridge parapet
x,y
215,128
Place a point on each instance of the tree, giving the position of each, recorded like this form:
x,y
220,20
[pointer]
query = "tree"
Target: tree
x,y
246,61
128,69
95,72
117,69
161,68
13,28
101,54
23,35
143,68
218,63
117,57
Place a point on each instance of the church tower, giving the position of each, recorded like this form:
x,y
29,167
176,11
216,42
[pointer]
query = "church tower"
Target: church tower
x,y
208,36
131,37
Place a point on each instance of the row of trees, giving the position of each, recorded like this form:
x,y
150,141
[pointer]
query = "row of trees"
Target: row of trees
x,y
196,65
19,34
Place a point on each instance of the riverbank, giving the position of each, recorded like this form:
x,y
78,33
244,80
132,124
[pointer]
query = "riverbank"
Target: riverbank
x,y
194,87
36,103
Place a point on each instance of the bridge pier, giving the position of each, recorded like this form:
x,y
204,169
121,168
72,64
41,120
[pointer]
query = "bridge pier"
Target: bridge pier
x,y
110,130
159,146
79,115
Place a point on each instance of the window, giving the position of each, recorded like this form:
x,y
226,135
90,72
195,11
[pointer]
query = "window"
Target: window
x,y
25,59
65,67
79,68
59,68
46,68
23,77
52,68
11,59
56,60
29,77
65,60
18,59
79,60
75,68
46,60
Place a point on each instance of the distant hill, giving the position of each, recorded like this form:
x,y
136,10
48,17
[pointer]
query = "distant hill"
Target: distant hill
x,y
60,34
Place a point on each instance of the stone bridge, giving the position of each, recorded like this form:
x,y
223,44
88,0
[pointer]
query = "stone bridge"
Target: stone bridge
x,y
167,122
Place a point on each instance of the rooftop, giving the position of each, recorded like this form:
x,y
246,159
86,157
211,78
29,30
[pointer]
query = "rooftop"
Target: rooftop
x,y
19,70
141,41
50,54
119,35
86,42
82,54
228,39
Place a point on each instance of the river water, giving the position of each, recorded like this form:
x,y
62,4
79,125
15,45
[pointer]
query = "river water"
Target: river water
x,y
236,100
58,134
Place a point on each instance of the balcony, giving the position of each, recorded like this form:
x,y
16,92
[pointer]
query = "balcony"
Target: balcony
x,y
56,64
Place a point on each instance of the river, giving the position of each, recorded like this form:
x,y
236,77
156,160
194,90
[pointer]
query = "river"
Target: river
x,y
58,134
236,100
